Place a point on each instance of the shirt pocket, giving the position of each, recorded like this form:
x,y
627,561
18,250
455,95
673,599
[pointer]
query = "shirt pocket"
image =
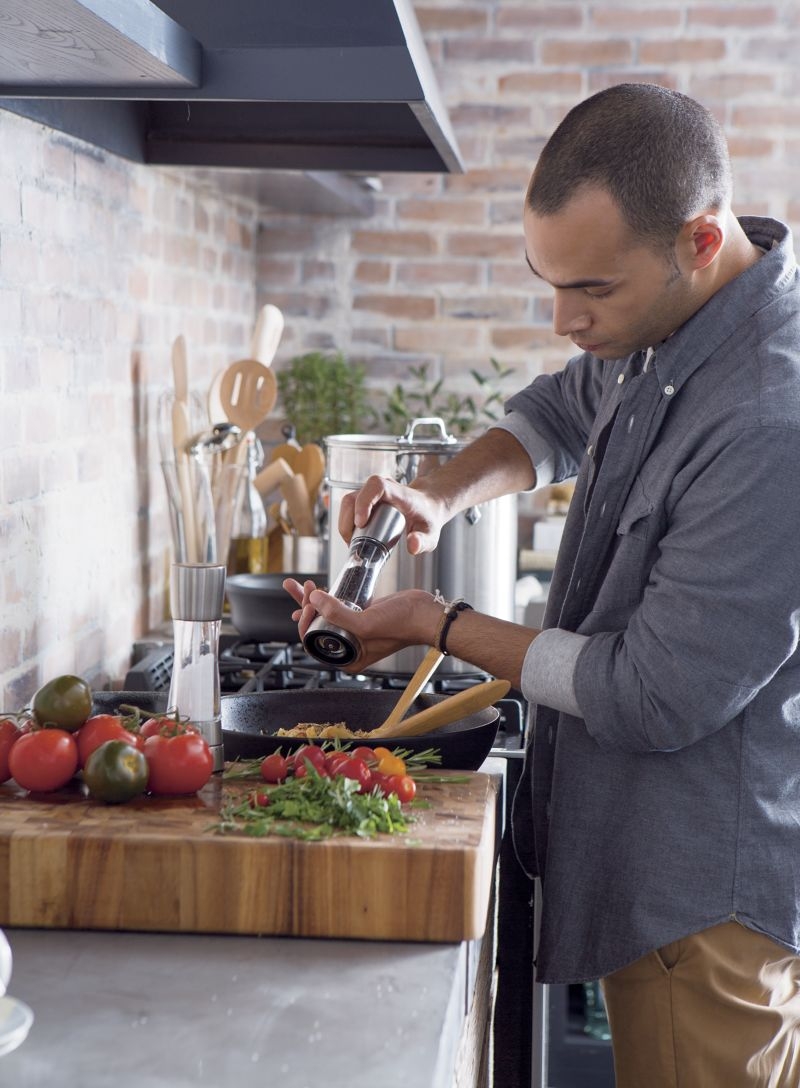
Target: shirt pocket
x,y
636,518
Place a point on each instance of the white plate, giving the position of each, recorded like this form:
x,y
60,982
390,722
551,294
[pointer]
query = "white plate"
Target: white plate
x,y
15,1023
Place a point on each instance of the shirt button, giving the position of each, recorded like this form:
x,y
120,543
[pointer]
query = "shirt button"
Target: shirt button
x,y
620,379
603,509
669,390
630,422
589,450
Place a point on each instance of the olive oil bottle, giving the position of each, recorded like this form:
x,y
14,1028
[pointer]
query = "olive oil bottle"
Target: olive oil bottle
x,y
249,546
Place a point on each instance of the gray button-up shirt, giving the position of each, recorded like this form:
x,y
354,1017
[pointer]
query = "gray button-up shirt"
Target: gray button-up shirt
x,y
666,786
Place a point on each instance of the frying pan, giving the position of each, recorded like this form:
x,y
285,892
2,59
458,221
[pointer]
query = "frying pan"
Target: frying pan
x,y
249,721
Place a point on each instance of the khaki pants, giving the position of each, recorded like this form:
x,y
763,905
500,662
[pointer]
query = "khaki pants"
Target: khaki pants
x,y
719,1009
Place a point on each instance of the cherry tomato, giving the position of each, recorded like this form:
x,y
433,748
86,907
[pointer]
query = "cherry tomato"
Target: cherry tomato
x,y
275,768
333,760
403,785
366,754
391,765
304,769
165,725
65,702
178,764
311,753
116,771
380,781
100,728
9,734
44,760
358,770
259,799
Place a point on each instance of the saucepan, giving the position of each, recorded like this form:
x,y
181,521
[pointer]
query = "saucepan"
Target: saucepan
x,y
261,608
250,721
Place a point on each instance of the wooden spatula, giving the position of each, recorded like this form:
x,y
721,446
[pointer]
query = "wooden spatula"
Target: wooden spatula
x,y
448,710
425,670
247,393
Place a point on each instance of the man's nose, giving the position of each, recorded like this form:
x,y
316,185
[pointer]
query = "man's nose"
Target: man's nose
x,y
569,316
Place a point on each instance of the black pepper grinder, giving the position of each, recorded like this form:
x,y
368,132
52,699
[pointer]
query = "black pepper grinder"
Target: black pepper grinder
x,y
370,547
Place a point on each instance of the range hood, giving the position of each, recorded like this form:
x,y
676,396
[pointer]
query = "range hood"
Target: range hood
x,y
306,85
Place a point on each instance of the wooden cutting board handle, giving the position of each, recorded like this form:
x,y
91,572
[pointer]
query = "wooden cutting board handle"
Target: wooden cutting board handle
x,y
451,709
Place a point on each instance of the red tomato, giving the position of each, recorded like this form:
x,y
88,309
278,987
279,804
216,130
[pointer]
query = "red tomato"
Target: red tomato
x,y
100,728
357,769
165,725
44,760
311,753
178,764
275,768
364,753
9,734
333,760
302,770
404,786
381,781
259,799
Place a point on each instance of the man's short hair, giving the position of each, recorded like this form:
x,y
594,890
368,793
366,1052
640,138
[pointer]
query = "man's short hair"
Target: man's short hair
x,y
660,155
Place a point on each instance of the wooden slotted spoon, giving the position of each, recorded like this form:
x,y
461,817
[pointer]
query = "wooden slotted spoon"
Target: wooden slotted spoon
x,y
247,392
448,710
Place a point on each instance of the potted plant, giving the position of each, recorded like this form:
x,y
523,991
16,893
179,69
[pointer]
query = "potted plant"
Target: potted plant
x,y
322,394
462,413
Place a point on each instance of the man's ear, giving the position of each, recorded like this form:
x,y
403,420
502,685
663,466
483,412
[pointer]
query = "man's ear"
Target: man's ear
x,y
701,240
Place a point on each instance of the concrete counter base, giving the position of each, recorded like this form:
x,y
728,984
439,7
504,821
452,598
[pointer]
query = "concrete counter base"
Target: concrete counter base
x,y
134,1010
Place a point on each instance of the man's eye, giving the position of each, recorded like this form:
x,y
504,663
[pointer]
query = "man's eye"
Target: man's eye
x,y
602,292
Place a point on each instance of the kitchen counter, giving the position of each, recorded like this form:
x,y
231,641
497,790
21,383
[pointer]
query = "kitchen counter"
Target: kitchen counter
x,y
166,1011
127,1009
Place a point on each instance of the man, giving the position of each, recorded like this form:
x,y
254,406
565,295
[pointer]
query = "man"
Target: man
x,y
662,806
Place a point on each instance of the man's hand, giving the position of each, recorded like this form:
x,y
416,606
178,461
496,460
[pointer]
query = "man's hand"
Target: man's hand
x,y
424,515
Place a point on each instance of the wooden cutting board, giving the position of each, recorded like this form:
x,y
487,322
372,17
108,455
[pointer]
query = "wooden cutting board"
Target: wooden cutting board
x,y
157,864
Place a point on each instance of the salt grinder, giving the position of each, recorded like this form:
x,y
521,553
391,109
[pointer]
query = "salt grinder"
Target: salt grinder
x,y
370,547
196,594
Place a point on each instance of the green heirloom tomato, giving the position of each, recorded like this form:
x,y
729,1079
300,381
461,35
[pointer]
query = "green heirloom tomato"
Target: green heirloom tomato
x,y
65,702
115,772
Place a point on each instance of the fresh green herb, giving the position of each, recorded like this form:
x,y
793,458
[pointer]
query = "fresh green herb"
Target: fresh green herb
x,y
315,807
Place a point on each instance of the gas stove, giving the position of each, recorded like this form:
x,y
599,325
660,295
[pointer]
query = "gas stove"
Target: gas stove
x,y
247,666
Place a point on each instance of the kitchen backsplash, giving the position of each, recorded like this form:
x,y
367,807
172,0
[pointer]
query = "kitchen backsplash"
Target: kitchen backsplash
x,y
103,263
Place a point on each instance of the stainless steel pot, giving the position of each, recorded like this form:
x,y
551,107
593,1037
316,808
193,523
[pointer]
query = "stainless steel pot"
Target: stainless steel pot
x,y
477,554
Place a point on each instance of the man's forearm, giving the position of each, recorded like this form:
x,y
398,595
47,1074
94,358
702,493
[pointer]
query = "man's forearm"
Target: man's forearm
x,y
494,464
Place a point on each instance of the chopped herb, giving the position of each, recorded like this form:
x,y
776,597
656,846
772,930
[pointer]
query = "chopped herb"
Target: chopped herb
x,y
315,807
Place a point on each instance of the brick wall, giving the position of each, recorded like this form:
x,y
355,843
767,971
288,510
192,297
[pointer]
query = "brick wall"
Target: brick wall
x,y
102,263
437,274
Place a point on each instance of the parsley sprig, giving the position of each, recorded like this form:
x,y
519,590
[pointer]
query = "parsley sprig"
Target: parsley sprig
x,y
315,807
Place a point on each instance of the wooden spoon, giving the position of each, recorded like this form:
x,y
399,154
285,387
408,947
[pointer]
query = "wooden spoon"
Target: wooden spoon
x,y
267,334
247,393
310,463
425,670
448,710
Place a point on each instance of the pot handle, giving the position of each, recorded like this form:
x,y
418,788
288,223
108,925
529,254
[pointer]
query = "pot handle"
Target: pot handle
x,y
428,421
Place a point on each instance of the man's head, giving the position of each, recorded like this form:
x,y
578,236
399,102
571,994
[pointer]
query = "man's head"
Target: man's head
x,y
627,216
659,155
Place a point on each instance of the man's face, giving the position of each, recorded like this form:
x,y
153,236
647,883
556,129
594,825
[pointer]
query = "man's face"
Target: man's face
x,y
614,293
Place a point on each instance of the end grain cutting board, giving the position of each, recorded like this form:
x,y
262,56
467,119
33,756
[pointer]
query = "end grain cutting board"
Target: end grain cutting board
x,y
157,864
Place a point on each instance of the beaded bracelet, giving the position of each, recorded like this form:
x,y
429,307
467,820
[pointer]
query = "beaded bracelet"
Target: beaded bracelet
x,y
450,613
